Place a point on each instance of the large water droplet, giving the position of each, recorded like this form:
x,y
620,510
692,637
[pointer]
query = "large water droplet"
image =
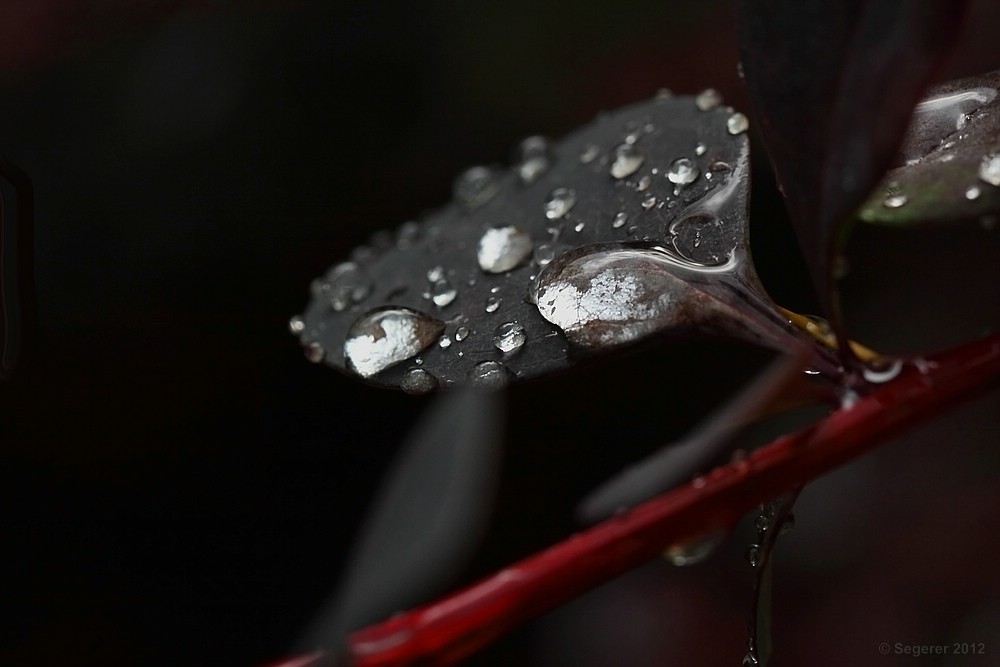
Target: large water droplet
x,y
615,295
693,551
627,161
560,201
534,159
476,186
443,293
737,123
491,375
502,249
989,169
702,238
387,336
509,337
682,171
346,284
417,381
708,99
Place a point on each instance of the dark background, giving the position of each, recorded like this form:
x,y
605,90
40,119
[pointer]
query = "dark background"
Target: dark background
x,y
180,486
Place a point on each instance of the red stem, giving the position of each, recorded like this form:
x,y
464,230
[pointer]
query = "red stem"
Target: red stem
x,y
446,631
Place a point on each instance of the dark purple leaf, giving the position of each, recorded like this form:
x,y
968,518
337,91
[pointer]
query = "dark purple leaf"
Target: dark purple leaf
x,y
832,86
632,226
949,166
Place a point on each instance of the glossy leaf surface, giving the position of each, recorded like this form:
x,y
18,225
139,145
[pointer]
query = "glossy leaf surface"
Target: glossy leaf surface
x,y
832,85
949,165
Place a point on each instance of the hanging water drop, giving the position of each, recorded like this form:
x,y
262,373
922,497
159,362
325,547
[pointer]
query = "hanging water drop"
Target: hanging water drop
x,y
560,201
443,293
534,159
492,304
682,171
708,99
387,336
476,186
989,169
620,219
737,123
502,249
627,161
491,375
509,337
417,381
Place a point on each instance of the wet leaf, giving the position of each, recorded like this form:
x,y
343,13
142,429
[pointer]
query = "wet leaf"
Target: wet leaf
x,y
832,86
652,198
949,165
427,520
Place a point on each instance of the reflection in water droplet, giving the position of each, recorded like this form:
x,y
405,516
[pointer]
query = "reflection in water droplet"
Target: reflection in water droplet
x,y
989,169
435,274
345,284
737,123
544,254
386,336
589,154
509,337
972,193
534,159
491,375
621,217
683,171
708,99
492,304
627,161
314,352
702,238
476,186
296,325
417,381
895,200
461,334
503,248
695,550
560,201
443,293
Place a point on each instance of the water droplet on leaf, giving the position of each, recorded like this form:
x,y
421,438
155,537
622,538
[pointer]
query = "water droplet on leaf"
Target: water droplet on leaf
x,y
435,274
972,193
621,217
737,123
346,284
492,304
895,200
682,171
491,375
476,186
544,254
502,249
534,158
627,161
989,169
560,201
314,352
702,238
417,381
444,343
461,334
589,154
708,99
509,337
443,293
387,336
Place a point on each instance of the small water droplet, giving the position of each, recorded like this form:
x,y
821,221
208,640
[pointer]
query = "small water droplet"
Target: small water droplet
x,y
345,284
534,158
643,184
737,123
708,99
509,337
443,293
476,186
972,193
296,325
461,334
753,555
649,202
560,201
700,149
387,336
578,227
621,217
693,551
682,171
895,200
544,254
589,154
492,304
444,343
435,274
632,230
989,169
417,381
502,249
627,161
491,375
314,352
